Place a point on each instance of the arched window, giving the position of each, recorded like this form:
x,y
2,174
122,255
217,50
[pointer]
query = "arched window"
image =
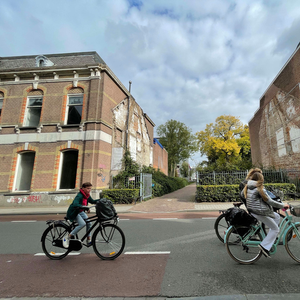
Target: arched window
x,y
24,169
68,169
74,106
33,108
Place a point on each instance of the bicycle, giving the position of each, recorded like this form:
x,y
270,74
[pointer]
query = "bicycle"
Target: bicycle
x,y
221,224
108,240
243,247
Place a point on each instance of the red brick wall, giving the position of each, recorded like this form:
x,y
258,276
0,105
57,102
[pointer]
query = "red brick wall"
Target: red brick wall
x,y
275,128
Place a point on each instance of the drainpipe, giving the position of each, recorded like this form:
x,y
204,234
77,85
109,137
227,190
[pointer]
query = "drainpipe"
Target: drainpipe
x,y
126,143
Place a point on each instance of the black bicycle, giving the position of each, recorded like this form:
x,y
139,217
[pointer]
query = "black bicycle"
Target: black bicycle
x,y
108,240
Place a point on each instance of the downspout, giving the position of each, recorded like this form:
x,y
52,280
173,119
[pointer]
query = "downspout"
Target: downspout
x,y
126,143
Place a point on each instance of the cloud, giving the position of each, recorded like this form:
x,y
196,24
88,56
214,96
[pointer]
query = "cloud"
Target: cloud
x,y
188,60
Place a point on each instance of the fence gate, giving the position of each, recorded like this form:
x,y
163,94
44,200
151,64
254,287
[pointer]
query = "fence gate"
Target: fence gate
x,y
145,185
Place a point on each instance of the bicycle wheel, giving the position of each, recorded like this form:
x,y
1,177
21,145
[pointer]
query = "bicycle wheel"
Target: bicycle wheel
x,y
220,227
292,242
52,241
240,251
108,241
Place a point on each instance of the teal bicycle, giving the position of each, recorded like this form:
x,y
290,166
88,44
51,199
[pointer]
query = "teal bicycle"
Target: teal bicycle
x,y
242,242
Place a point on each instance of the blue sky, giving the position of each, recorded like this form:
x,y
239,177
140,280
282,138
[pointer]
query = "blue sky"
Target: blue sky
x,y
188,60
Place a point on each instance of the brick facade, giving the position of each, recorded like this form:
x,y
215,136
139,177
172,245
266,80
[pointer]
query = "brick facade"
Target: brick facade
x,y
98,140
275,127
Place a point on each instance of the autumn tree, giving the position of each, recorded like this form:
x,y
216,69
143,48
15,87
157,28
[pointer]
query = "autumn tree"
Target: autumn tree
x,y
178,140
226,143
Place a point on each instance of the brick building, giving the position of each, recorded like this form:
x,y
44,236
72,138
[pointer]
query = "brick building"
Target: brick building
x,y
275,127
65,119
160,157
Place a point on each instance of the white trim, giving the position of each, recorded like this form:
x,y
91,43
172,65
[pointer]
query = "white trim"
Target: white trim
x,y
16,171
59,170
52,137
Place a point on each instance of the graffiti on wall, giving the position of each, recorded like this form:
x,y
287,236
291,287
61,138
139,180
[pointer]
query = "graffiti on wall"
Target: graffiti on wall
x,y
101,172
30,199
58,199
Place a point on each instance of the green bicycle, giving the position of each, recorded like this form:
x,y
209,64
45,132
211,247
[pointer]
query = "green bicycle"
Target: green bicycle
x,y
242,242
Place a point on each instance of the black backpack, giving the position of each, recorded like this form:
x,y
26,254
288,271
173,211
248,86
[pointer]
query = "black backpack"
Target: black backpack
x,y
105,209
239,217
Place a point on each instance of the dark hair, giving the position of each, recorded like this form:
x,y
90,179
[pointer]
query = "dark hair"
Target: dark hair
x,y
86,184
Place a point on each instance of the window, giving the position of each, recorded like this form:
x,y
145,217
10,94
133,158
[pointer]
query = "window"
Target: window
x,y
68,171
1,102
74,109
33,111
24,171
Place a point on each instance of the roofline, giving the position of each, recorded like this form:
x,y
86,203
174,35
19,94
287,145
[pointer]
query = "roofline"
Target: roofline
x,y
56,54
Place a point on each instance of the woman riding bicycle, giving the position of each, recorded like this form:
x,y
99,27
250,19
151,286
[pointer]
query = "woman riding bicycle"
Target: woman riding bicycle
x,y
75,212
260,205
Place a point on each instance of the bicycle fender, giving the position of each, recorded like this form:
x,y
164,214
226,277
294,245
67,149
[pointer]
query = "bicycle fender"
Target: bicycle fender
x,y
283,239
225,237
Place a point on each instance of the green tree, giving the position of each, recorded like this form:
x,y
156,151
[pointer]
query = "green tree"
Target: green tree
x,y
178,140
226,143
184,169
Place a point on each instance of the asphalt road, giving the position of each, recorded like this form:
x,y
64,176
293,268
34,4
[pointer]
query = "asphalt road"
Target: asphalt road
x,y
172,258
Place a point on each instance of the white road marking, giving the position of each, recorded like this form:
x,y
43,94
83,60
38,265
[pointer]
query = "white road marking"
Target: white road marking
x,y
165,219
148,252
43,254
28,221
209,218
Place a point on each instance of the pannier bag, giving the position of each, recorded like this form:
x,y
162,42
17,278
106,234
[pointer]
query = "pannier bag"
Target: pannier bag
x,y
239,217
105,209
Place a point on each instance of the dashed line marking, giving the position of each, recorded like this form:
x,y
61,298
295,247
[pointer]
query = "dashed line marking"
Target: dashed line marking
x,y
158,219
148,252
71,253
25,221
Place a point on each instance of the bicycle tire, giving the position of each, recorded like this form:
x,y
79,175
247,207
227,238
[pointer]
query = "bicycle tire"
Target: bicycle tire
x,y
52,241
221,227
242,253
292,242
108,241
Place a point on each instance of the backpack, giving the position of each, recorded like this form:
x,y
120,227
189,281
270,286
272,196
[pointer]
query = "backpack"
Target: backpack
x,y
105,209
239,217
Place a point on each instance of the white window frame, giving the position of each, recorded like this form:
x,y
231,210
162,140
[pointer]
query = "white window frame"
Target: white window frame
x,y
68,107
25,123
61,158
1,104
17,175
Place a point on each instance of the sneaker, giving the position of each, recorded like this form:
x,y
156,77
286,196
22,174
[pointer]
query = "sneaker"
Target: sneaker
x,y
265,252
89,243
66,241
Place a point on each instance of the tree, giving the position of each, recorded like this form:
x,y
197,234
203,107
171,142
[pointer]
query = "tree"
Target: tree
x,y
226,143
178,140
184,169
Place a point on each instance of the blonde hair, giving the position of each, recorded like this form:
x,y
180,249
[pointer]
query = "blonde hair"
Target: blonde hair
x,y
252,171
259,178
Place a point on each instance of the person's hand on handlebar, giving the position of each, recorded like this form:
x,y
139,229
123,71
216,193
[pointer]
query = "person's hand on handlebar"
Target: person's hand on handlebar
x,y
286,206
86,208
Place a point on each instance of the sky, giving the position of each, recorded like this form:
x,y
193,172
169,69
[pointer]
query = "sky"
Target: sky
x,y
188,60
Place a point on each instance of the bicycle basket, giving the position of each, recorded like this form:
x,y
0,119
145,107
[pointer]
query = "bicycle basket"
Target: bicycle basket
x,y
295,210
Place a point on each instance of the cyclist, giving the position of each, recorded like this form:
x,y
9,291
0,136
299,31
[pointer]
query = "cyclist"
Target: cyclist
x,y
259,204
75,212
243,183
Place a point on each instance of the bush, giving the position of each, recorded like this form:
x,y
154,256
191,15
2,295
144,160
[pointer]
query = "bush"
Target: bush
x,y
231,193
121,196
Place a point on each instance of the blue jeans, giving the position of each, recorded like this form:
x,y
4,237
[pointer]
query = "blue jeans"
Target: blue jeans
x,y
80,219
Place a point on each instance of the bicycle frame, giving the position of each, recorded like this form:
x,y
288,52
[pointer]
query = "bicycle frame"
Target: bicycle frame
x,y
284,226
91,220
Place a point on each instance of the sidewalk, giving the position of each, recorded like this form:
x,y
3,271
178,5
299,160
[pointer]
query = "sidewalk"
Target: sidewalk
x,y
179,201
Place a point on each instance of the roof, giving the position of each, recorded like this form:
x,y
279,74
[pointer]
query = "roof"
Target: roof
x,y
78,59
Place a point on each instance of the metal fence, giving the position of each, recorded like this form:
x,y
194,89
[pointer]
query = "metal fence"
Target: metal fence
x,y
143,182
235,177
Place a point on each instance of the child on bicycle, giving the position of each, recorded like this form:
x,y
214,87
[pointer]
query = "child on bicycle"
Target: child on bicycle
x,y
76,212
260,205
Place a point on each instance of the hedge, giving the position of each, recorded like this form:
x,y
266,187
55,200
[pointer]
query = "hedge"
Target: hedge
x,y
121,196
230,193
